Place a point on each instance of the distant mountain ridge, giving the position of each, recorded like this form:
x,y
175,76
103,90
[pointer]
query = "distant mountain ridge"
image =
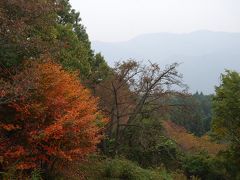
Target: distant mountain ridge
x,y
203,54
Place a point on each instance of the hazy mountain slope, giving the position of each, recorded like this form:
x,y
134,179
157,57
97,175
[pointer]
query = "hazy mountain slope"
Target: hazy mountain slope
x,y
204,54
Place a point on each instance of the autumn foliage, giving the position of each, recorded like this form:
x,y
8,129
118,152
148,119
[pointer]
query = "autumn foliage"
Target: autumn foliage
x,y
46,115
190,143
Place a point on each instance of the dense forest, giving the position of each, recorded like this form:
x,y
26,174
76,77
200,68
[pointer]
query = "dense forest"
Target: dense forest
x,y
66,114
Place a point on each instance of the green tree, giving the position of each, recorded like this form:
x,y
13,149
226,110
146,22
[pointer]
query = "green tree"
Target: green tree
x,y
75,52
31,29
194,112
226,108
146,144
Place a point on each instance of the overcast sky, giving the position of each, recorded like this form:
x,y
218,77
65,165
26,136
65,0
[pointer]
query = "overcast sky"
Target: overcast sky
x,y
119,20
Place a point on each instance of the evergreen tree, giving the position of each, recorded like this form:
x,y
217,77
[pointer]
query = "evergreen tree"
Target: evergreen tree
x,y
226,108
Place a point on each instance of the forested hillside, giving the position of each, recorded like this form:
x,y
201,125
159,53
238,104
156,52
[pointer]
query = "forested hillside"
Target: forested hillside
x,y
195,113
66,114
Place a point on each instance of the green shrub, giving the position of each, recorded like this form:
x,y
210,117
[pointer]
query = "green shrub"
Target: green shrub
x,y
36,174
149,147
197,165
120,168
221,167
13,174
124,169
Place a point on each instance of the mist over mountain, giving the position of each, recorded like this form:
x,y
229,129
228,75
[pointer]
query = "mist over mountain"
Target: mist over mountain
x,y
203,55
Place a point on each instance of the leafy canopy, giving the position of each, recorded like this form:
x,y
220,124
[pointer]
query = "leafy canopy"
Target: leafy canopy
x,y
226,108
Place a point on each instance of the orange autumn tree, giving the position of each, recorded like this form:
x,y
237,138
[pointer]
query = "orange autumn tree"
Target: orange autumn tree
x,y
46,115
189,142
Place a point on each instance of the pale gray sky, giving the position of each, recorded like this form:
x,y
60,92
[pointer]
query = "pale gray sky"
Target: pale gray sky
x,y
119,20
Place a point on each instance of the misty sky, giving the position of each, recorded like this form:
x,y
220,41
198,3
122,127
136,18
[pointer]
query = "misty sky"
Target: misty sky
x,y
119,20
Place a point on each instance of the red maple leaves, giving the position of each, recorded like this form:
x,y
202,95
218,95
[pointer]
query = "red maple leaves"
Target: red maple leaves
x,y
50,116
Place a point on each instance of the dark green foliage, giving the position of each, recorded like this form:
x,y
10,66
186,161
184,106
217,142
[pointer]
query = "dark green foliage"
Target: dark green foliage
x,y
67,15
228,163
100,69
204,104
194,113
76,52
223,166
74,55
146,144
226,120
124,169
197,165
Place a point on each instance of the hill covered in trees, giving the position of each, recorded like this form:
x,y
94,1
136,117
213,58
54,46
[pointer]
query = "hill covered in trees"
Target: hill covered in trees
x,y
66,114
